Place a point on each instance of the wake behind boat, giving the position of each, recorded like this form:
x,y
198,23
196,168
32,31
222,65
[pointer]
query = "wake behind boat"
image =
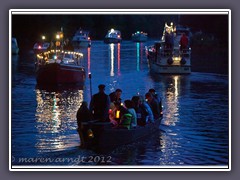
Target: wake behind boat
x,y
171,55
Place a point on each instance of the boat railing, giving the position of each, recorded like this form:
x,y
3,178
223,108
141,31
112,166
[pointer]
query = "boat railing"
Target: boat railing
x,y
65,57
186,52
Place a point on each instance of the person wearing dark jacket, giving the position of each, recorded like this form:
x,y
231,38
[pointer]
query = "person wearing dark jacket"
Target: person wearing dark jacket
x,y
183,42
99,104
116,96
153,104
83,115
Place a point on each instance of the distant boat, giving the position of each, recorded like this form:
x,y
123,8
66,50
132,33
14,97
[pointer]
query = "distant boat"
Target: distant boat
x,y
139,36
40,47
81,39
113,36
170,60
15,48
59,67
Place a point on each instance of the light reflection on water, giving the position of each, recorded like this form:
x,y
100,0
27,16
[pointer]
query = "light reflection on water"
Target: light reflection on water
x,y
55,117
194,130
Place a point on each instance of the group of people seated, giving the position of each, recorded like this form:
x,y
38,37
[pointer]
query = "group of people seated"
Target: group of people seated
x,y
128,114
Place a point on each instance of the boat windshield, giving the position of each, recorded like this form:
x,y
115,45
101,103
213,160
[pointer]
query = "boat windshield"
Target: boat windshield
x,y
70,56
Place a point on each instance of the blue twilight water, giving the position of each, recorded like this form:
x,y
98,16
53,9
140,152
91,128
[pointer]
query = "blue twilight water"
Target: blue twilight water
x,y
194,130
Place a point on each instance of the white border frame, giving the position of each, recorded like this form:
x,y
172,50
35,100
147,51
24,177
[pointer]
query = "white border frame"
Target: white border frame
x,y
119,12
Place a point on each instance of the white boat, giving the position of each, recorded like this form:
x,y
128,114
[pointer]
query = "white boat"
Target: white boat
x,y
113,36
81,39
172,59
139,36
15,48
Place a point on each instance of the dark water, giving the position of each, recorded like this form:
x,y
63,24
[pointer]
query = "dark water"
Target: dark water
x,y
194,130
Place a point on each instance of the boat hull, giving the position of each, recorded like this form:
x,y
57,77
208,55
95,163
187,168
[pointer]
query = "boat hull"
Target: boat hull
x,y
169,62
169,69
55,73
107,138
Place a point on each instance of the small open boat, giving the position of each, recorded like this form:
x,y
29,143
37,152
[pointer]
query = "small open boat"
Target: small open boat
x,y
102,137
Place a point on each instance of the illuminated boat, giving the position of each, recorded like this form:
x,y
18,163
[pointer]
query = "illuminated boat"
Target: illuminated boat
x,y
59,67
81,39
113,36
139,36
165,60
101,137
15,48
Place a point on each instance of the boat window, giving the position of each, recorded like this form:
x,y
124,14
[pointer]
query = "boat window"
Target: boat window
x,y
68,56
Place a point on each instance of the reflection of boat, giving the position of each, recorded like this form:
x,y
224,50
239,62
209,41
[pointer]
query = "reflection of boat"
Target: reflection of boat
x,y
170,60
15,48
113,36
55,117
81,39
59,67
139,36
114,54
100,136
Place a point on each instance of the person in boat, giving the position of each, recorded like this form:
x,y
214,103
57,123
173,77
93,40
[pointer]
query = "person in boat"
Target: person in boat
x,y
130,107
169,41
152,102
149,117
141,111
99,104
116,96
121,117
83,115
159,100
183,42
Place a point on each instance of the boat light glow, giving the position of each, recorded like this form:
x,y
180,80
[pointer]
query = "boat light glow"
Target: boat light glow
x,y
90,133
39,47
118,114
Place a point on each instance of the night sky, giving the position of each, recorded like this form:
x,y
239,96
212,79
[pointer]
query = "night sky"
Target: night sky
x,y
29,28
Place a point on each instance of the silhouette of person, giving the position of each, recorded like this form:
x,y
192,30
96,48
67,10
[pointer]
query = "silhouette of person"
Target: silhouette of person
x,y
99,104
